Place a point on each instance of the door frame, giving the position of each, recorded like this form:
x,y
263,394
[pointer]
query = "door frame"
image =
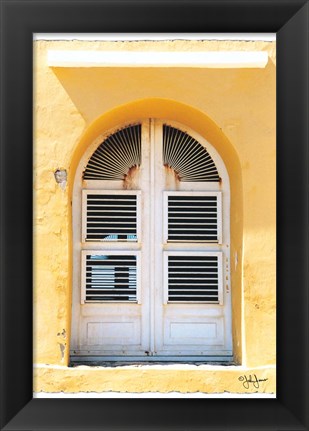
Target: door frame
x,y
76,215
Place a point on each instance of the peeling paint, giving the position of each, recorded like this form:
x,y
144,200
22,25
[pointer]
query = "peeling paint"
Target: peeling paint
x,y
172,178
62,350
61,177
236,260
130,180
63,333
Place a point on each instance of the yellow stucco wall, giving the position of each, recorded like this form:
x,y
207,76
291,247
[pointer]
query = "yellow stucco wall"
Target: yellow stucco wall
x,y
234,109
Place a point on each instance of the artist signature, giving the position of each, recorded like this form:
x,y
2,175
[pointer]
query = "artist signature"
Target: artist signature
x,y
251,379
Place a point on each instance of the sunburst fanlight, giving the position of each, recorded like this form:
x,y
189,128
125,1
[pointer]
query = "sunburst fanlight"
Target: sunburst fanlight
x,y
189,159
116,155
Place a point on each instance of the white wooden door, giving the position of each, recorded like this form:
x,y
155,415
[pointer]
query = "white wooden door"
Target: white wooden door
x,y
187,324
179,306
111,298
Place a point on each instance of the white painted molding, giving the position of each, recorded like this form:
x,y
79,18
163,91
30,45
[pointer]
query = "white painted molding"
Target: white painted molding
x,y
203,59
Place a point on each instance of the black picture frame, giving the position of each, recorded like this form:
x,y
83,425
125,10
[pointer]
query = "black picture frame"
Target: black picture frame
x,y
19,20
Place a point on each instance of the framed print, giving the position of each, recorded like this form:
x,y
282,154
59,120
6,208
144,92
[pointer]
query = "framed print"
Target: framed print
x,y
154,205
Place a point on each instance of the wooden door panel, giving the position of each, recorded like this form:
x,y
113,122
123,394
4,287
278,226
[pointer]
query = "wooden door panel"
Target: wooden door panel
x,y
113,333
192,331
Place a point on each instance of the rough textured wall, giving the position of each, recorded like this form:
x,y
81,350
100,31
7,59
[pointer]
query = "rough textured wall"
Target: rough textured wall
x,y
241,102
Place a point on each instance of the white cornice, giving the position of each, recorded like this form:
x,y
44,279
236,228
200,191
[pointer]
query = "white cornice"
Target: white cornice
x,y
193,59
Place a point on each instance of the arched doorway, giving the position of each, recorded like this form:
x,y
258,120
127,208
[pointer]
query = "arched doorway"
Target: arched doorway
x,y
151,247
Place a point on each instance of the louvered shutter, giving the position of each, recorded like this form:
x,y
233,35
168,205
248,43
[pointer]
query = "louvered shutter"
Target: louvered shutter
x,y
189,159
192,217
111,216
116,155
193,277
109,276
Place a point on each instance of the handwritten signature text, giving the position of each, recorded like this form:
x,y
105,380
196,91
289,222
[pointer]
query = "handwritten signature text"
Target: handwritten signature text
x,y
251,380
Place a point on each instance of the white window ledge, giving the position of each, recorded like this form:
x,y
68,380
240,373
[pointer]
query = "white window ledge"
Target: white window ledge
x,y
201,59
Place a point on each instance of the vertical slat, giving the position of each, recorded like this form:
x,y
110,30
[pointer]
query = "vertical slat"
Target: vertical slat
x,y
138,278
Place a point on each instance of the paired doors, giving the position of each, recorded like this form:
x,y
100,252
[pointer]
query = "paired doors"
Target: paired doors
x,y
151,247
